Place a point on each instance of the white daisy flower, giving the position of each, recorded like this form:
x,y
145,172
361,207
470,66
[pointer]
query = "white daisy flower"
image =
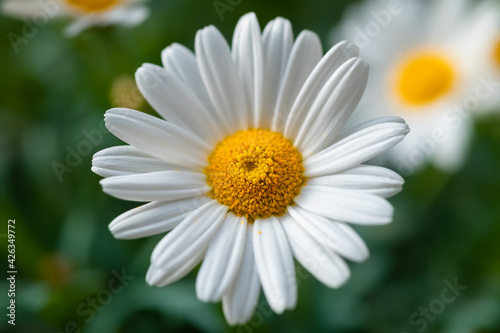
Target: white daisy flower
x,y
252,168
425,57
86,13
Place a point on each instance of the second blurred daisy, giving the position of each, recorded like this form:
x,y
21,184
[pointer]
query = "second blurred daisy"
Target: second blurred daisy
x,y
86,13
425,67
491,63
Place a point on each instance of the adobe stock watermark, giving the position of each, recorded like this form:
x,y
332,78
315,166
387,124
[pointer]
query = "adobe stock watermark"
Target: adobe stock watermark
x,y
452,119
92,305
222,6
381,19
75,155
30,29
420,319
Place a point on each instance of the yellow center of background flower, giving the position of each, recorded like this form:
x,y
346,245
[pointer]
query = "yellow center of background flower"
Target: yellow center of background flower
x,y
496,53
424,78
256,173
93,6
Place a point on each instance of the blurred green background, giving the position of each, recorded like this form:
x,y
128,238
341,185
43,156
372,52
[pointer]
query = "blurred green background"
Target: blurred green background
x,y
54,93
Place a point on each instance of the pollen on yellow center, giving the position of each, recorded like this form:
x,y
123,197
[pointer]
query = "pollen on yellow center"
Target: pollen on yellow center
x,y
423,78
256,173
93,6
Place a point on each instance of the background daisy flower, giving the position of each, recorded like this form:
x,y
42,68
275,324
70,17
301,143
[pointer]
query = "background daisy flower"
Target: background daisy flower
x,y
253,167
86,13
491,59
426,59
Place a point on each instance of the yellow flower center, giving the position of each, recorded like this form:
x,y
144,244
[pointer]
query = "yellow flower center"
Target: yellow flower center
x,y
93,6
424,78
496,53
256,173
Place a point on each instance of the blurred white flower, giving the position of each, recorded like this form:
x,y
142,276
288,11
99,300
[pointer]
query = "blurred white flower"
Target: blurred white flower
x,y
491,62
494,57
246,129
86,13
426,59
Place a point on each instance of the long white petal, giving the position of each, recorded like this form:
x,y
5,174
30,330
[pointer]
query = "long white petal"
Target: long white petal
x,y
346,132
275,264
247,54
336,236
127,160
306,53
240,300
127,16
176,102
324,265
184,247
17,8
451,154
364,178
358,147
222,260
79,25
345,205
322,72
180,61
333,107
156,186
160,277
158,138
220,76
154,218
277,43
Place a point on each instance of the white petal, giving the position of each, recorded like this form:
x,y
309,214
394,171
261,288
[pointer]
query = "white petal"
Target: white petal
x,y
79,25
154,218
17,8
158,138
364,178
184,247
336,236
346,132
222,260
345,205
247,54
176,102
127,160
337,55
277,42
333,107
240,300
324,265
360,146
222,81
451,153
274,260
156,186
126,16
160,277
180,61
306,53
